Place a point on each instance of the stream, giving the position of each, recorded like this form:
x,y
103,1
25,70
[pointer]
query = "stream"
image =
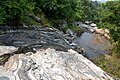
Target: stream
x,y
44,37
94,44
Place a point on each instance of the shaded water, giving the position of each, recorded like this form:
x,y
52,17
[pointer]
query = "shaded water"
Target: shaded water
x,y
94,44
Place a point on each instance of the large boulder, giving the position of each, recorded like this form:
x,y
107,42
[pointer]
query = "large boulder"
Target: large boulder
x,y
107,31
38,37
93,25
103,32
7,49
49,64
99,31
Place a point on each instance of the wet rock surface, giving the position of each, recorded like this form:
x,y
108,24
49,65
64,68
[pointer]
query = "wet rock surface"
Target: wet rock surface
x,y
50,64
94,41
7,49
35,37
44,53
29,39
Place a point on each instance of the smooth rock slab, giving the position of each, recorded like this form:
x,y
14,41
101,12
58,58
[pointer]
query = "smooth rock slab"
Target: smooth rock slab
x,y
7,49
50,64
4,78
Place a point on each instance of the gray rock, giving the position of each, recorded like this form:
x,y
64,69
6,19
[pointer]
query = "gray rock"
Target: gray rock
x,y
93,25
69,32
87,27
39,36
87,22
49,64
7,49
4,78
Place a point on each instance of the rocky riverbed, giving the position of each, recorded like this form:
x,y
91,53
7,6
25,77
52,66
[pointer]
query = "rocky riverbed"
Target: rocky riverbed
x,y
44,53
95,41
37,37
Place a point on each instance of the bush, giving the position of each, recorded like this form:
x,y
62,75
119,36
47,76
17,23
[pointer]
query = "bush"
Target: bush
x,y
110,18
13,12
75,29
110,64
58,9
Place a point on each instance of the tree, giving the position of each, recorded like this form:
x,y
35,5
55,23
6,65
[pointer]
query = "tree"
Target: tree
x,y
13,12
59,9
110,18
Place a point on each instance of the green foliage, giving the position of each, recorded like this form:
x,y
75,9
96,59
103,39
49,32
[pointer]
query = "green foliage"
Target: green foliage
x,y
89,9
12,12
109,13
75,29
58,9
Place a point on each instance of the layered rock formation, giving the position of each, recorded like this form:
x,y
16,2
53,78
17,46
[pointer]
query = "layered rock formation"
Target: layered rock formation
x,y
35,37
44,53
50,64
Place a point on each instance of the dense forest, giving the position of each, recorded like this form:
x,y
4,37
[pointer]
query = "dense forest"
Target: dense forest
x,y
105,15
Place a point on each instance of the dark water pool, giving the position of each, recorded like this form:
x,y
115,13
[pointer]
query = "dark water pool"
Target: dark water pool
x,y
94,44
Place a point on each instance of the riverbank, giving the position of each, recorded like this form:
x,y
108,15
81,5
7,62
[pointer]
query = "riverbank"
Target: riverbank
x,y
44,51
95,45
110,64
30,39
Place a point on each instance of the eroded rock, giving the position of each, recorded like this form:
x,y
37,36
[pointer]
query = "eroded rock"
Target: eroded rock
x,y
49,64
45,37
7,49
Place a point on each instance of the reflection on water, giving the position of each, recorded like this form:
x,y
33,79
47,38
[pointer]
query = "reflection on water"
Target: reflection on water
x,y
94,44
